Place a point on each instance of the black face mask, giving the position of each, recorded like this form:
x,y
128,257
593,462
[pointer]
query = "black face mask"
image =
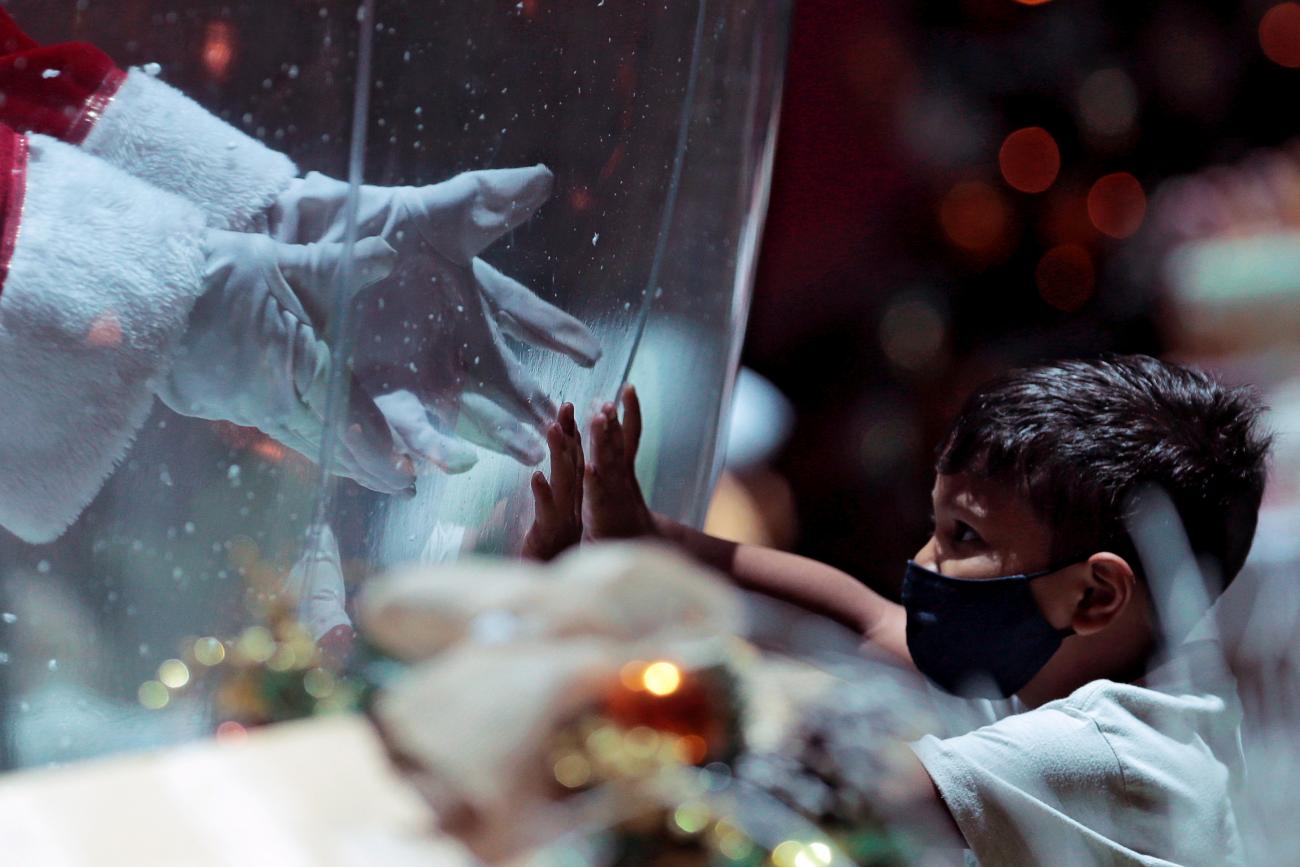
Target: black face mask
x,y
977,637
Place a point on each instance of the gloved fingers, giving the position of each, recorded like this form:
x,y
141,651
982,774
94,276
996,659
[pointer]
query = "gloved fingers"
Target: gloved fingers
x,y
484,423
497,373
509,384
304,431
320,552
312,271
365,437
523,315
410,420
463,215
368,437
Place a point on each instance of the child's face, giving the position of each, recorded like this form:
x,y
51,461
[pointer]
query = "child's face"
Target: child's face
x,y
987,530
983,530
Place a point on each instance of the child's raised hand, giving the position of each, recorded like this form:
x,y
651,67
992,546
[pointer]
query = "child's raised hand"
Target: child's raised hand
x,y
557,521
615,508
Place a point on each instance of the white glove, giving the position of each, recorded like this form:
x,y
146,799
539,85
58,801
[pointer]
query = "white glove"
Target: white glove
x,y
253,355
431,348
316,584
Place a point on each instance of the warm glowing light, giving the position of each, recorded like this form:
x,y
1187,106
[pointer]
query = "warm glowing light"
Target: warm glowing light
x,y
319,683
976,217
572,771
1030,159
1117,205
581,199
284,659
1033,2
209,651
231,732
1279,34
820,851
632,675
641,742
218,49
153,695
174,674
692,749
256,644
1066,277
791,853
731,841
691,817
661,678
270,450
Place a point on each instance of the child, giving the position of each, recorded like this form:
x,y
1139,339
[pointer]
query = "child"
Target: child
x,y
1029,600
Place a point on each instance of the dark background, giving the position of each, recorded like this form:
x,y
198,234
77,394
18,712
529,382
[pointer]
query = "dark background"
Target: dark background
x,y
872,319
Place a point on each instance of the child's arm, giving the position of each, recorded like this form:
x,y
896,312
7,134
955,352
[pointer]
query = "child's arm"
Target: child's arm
x,y
800,581
615,508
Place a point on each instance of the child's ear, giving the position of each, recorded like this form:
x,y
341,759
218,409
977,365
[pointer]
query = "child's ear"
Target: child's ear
x,y
1110,587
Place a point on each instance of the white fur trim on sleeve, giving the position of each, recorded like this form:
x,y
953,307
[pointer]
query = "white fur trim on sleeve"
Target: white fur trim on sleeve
x,y
101,284
159,134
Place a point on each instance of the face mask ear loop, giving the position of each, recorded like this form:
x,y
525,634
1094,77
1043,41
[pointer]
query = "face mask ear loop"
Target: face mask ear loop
x,y
1031,576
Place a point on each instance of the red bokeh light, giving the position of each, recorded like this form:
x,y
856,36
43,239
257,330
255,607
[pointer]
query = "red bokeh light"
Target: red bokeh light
x,y
581,199
976,217
231,732
1279,34
1030,159
218,49
1066,277
1117,205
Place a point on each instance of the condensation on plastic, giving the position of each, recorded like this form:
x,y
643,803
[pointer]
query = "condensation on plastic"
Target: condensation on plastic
x,y
658,120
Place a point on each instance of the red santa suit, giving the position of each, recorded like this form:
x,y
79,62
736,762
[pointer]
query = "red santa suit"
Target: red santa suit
x,y
76,93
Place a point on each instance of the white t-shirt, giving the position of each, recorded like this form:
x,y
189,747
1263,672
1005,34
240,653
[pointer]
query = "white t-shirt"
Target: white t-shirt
x,y
1114,774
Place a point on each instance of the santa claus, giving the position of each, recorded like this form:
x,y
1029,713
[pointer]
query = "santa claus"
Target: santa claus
x,y
149,248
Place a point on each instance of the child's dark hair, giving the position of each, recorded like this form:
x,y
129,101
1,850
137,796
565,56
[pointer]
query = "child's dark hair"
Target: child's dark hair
x,y
1080,438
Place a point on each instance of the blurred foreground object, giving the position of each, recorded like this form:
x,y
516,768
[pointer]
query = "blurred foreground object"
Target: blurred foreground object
x,y
273,798
643,730
1227,243
752,503
606,704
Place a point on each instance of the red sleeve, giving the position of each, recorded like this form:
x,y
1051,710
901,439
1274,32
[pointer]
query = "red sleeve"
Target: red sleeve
x,y
59,90
13,186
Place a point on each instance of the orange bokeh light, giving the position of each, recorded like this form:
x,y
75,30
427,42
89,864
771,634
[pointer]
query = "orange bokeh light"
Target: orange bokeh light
x,y
1030,159
1032,2
976,217
1066,277
1279,34
1117,205
218,49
